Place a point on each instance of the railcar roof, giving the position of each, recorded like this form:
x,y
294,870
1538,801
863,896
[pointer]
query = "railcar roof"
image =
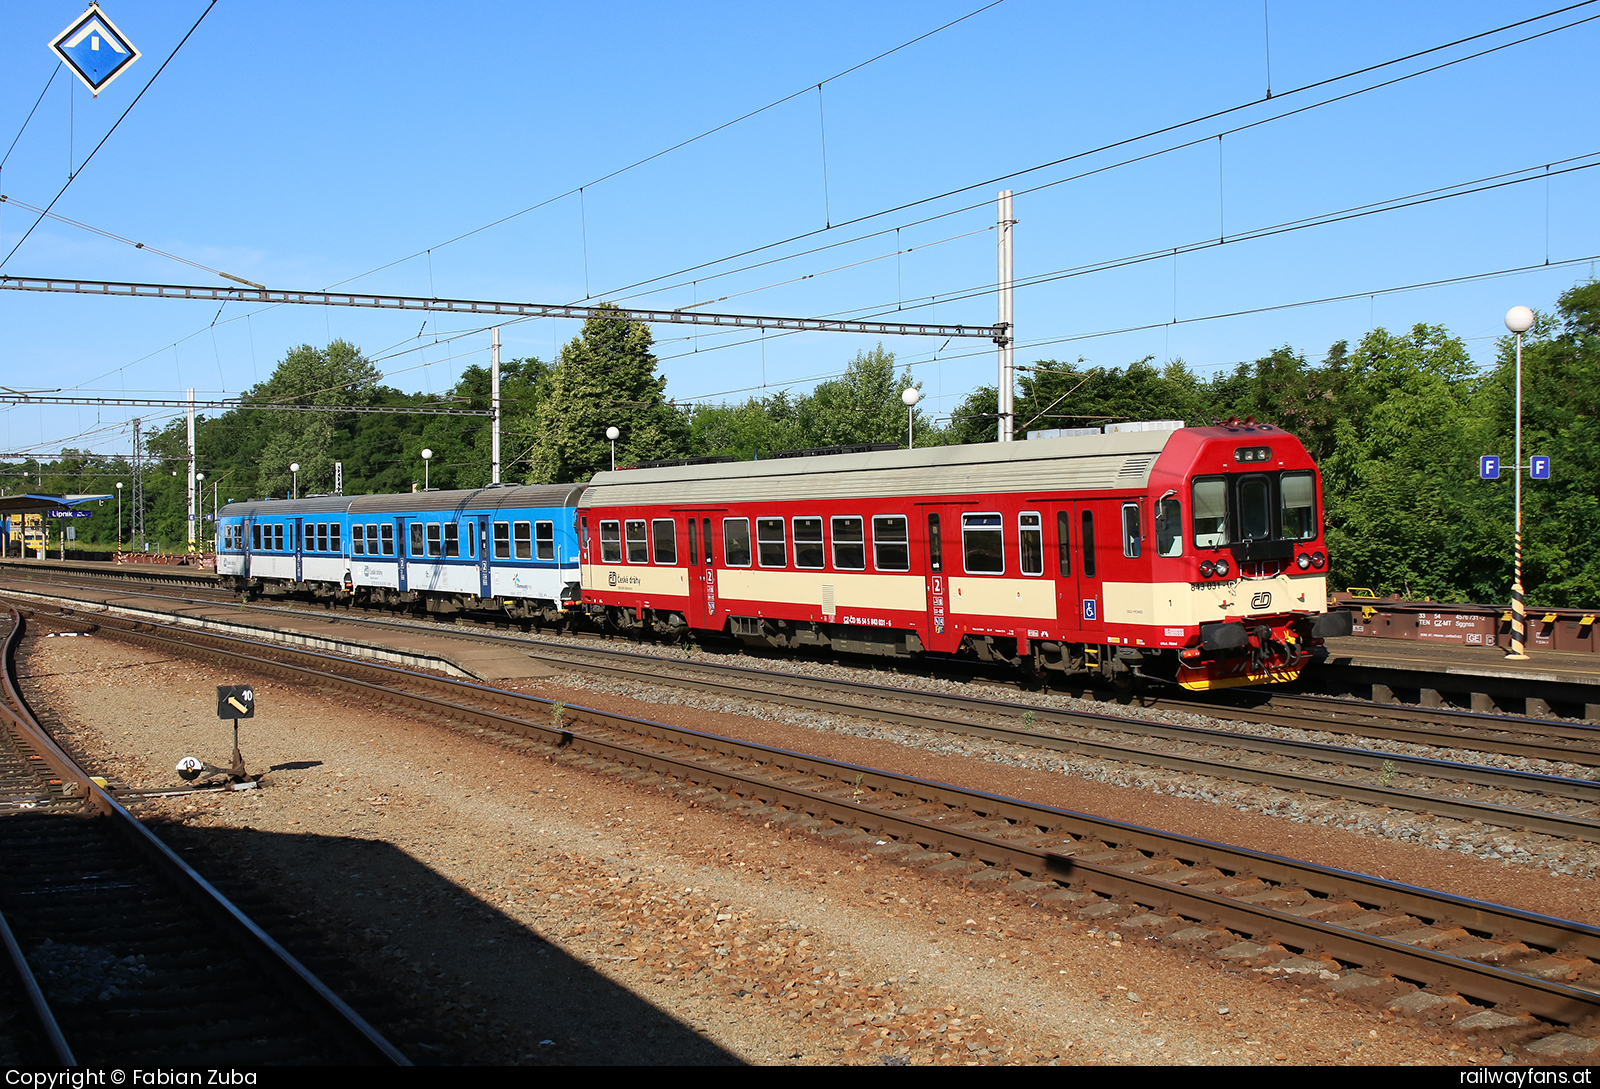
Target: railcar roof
x,y
1077,463
459,500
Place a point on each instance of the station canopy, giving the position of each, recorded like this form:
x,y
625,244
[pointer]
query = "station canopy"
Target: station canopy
x,y
29,503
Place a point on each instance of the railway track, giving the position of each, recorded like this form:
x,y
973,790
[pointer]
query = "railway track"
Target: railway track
x,y
1561,806
1423,951
124,953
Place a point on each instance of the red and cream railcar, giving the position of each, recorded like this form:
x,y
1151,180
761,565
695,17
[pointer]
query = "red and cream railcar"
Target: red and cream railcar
x,y
1193,555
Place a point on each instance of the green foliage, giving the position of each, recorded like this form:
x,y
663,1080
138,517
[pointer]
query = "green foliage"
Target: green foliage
x,y
606,377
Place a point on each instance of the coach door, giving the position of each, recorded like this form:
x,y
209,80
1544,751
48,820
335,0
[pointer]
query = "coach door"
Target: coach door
x,y
941,536
702,611
244,545
299,549
401,575
484,587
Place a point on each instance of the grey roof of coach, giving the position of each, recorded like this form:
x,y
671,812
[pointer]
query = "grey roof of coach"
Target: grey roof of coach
x,y
1081,463
465,499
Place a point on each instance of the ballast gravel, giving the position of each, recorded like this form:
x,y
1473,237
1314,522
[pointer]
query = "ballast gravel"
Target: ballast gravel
x,y
546,913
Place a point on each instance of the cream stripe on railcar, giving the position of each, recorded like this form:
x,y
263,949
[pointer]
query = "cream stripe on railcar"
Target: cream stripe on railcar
x,y
1033,599
1175,603
624,579
810,588
1093,462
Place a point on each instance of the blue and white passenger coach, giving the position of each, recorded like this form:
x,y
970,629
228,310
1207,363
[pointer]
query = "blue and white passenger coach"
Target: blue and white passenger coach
x,y
503,548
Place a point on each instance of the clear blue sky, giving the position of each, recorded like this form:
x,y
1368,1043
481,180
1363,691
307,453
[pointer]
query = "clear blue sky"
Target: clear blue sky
x,y
300,145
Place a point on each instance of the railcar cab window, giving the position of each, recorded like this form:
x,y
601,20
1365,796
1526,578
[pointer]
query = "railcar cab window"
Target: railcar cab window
x,y
1030,534
849,544
771,550
522,540
1299,506
1169,527
638,546
664,535
807,544
1210,513
982,544
610,542
1131,530
890,549
735,542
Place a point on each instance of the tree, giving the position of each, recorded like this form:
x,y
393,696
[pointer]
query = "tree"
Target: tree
x,y
606,377
863,405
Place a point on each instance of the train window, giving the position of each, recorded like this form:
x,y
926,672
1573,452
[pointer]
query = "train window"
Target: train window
x,y
770,548
736,542
705,524
387,533
694,544
502,540
522,540
1255,512
1064,542
1087,543
358,541
1210,513
1131,530
849,544
935,545
277,538
610,542
1030,540
322,537
982,544
544,540
373,548
434,548
664,535
472,543
808,543
416,539
452,541
638,546
255,537
335,532
1169,527
890,550
1299,506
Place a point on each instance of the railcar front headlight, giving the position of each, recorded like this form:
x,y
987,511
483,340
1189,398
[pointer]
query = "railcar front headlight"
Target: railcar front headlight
x,y
1222,569
1302,561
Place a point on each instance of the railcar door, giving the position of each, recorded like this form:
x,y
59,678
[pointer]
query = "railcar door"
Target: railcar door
x,y
1088,527
244,528
299,549
702,581
401,578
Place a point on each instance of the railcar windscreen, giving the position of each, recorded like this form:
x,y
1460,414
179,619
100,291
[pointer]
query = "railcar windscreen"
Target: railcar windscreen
x,y
1255,509
1210,513
1299,506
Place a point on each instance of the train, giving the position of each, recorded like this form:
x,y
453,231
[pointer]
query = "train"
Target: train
x,y
1190,555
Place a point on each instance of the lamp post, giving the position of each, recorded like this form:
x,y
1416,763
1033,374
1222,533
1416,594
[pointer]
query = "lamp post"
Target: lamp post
x,y
1519,319
119,514
294,474
427,456
200,529
911,396
612,433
